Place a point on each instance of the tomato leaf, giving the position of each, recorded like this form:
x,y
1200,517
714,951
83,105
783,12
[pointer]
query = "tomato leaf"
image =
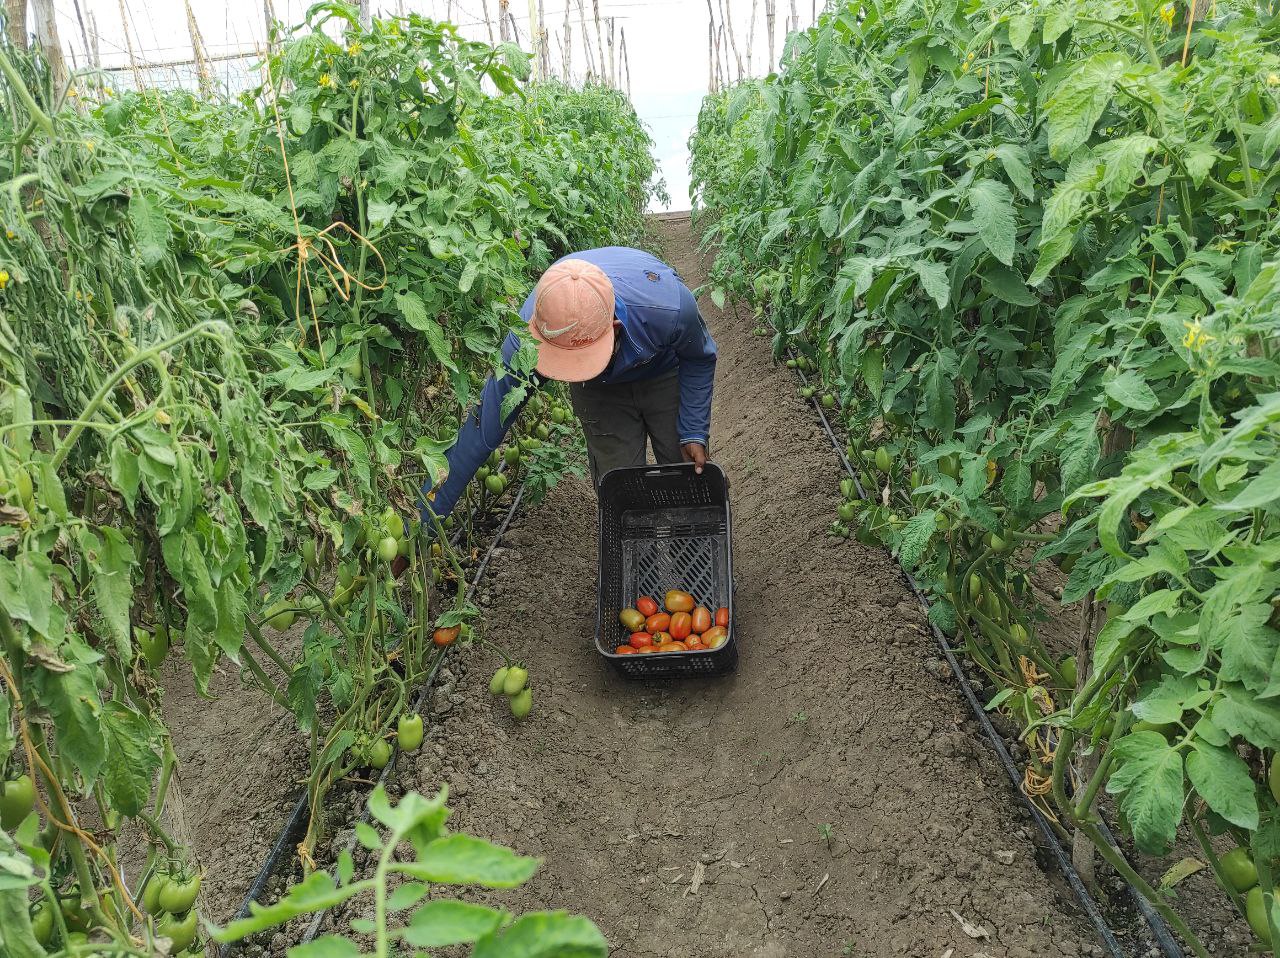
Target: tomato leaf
x,y
544,935
1223,781
443,922
1149,778
131,761
465,860
1077,104
992,205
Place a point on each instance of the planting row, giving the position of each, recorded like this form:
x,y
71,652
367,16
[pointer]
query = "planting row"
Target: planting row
x,y
1031,256
235,339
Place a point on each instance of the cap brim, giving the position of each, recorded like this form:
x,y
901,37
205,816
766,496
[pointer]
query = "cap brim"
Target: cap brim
x,y
573,365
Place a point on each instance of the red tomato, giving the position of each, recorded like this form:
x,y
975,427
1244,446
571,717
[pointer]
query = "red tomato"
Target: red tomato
x,y
675,647
662,638
678,601
646,605
681,626
625,650
647,649
640,639
722,618
701,619
694,643
714,638
632,620
443,637
658,622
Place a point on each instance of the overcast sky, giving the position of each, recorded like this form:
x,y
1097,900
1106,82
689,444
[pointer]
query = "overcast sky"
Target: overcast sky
x,y
666,45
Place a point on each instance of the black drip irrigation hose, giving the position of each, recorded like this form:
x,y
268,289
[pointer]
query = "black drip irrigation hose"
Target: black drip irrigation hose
x,y
297,821
1163,938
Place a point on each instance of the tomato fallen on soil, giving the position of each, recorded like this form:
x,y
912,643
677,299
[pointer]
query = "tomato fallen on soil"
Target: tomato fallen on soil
x,y
646,606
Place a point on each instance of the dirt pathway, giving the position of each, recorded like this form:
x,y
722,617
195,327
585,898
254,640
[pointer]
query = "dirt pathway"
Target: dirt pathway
x,y
833,797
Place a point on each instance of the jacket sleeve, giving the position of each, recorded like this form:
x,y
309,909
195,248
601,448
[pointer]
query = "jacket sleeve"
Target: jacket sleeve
x,y
483,431
696,351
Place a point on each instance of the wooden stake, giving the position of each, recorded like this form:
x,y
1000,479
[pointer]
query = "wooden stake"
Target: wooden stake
x,y
488,21
15,18
626,60
770,16
726,11
269,18
751,34
795,17
203,76
542,41
128,39
613,64
719,59
586,40
567,55
366,18
46,30
504,18
595,6
711,48
95,57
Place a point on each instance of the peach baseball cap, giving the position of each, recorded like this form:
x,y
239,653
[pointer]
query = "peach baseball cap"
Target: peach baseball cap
x,y
573,321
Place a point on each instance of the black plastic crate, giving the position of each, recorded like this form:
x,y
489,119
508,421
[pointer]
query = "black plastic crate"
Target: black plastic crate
x,y
664,527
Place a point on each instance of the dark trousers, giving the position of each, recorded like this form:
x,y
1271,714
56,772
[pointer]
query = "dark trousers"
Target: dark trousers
x,y
619,418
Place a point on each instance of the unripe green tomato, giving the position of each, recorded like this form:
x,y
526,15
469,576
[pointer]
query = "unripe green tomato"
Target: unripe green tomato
x,y
791,364
1273,779
497,684
17,801
828,400
409,733
179,894
280,616
404,547
530,443
42,923
542,432
151,894
395,525
516,679
26,493
1255,910
378,754
388,548
482,474
181,930
1239,870
309,552
354,368
493,459
558,415
1070,673
154,646
511,455
521,703
848,489
1018,633
883,462
848,512
346,575
495,484
806,392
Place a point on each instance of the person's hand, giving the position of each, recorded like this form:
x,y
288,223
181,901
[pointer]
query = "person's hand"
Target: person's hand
x,y
696,453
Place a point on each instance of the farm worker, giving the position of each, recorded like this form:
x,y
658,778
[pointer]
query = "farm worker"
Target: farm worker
x,y
620,327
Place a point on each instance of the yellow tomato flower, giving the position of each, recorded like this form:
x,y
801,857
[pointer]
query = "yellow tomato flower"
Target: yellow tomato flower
x,y
1166,14
1273,79
9,234
4,278
355,84
326,80
1196,338
90,145
354,49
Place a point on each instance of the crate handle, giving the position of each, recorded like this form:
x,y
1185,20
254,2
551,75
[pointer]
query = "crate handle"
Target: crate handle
x,y
668,471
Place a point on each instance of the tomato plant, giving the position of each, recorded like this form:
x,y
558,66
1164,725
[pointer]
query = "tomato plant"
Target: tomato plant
x,y
1032,252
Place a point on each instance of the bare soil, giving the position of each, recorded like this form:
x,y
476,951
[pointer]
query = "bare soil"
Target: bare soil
x,y
832,797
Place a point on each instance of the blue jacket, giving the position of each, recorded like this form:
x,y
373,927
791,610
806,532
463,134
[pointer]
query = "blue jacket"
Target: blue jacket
x,y
663,331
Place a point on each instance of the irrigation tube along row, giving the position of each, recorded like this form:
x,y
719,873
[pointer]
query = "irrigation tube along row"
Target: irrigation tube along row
x,y
297,820
1159,931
